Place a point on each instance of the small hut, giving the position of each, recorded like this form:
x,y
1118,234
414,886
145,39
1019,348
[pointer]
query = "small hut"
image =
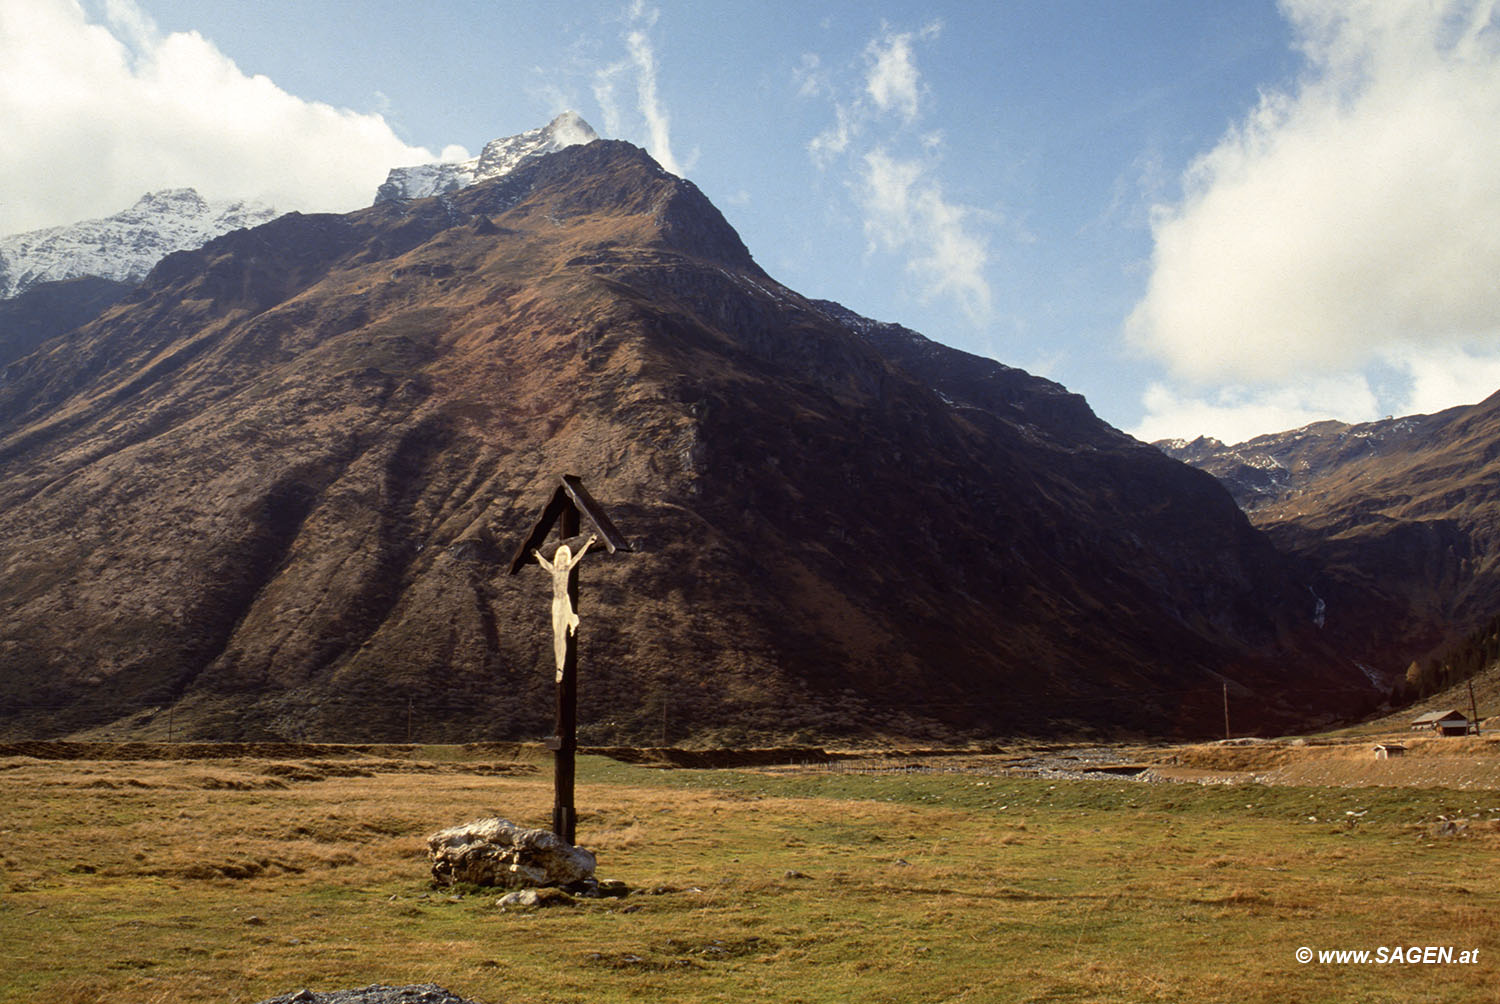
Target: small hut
x,y
1447,723
1384,751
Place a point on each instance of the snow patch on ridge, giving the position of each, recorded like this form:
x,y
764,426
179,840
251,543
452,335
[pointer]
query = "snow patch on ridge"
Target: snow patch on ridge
x,y
123,247
499,157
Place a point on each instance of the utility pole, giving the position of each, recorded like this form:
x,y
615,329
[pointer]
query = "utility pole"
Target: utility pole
x,y
1226,709
1473,708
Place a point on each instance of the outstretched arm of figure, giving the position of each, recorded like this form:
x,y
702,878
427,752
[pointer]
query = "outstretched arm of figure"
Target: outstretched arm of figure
x,y
575,559
586,545
541,560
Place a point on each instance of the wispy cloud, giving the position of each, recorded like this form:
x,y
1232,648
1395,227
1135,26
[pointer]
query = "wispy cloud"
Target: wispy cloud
x,y
638,68
893,81
828,145
160,110
893,168
1352,217
809,76
905,212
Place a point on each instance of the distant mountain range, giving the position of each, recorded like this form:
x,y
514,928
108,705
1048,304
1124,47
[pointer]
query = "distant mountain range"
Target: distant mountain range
x,y
273,488
1397,522
123,247
126,246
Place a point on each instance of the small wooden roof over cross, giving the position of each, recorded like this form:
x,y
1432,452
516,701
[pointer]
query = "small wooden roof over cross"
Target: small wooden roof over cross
x,y
570,495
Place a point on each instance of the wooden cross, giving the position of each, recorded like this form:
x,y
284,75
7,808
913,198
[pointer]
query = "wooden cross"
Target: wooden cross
x,y
570,503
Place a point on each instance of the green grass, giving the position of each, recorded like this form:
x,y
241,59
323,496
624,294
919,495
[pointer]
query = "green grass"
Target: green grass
x,y
814,886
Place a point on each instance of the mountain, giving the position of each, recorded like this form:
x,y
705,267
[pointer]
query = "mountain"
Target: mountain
x,y
1395,522
275,490
499,157
50,308
125,246
1279,466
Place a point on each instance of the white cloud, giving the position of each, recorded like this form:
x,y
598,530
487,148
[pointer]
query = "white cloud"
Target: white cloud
x,y
94,115
893,171
133,25
1237,413
1444,376
1354,215
905,211
658,122
1411,381
893,82
827,145
604,94
641,62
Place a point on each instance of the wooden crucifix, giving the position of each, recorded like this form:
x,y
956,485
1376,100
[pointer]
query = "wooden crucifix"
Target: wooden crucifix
x,y
569,505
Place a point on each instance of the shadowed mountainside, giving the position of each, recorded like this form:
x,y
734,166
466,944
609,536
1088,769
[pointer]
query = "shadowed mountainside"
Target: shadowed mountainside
x,y
1395,522
274,490
50,308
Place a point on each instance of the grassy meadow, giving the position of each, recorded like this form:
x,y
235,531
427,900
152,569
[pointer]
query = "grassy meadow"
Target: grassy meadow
x,y
235,880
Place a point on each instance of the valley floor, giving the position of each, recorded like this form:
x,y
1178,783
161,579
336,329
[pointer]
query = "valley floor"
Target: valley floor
x,y
1022,874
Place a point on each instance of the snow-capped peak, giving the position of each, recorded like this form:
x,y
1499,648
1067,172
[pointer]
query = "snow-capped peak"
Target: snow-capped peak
x,y
499,157
125,246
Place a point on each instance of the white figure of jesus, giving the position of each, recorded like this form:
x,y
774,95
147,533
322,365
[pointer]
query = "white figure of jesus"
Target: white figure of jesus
x,y
564,619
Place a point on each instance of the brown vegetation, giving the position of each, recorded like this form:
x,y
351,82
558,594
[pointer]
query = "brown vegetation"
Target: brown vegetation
x,y
231,880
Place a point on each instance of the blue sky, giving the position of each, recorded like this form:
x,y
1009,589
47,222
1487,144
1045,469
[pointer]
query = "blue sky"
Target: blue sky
x,y
1227,218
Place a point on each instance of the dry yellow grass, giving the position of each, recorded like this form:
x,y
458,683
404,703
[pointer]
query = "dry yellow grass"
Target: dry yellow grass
x,y
1430,761
235,880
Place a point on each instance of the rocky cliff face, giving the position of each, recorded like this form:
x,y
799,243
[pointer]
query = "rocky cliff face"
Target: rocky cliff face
x,y
125,246
276,487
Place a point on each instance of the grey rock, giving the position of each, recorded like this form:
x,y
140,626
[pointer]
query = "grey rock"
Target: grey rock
x,y
536,898
496,852
595,888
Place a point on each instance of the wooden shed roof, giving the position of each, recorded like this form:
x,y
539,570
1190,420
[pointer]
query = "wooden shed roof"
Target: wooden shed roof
x,y
1432,717
570,493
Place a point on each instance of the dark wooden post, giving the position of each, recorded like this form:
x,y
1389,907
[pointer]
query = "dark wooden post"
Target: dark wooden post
x,y
568,503
565,738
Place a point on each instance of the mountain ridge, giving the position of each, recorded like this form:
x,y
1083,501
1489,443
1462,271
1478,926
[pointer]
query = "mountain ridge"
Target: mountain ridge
x,y
271,489
499,157
1393,520
123,247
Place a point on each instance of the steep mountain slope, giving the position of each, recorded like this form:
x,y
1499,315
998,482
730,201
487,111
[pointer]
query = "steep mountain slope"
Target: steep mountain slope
x,y
1395,520
122,247
275,488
